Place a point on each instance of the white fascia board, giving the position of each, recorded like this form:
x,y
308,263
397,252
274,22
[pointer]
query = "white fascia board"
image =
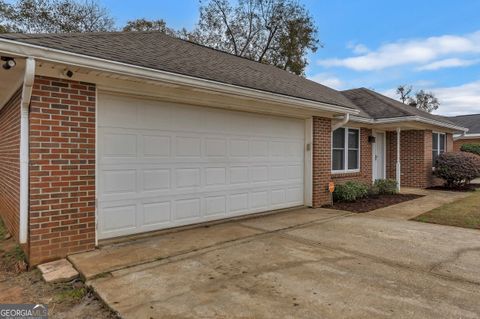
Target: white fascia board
x,y
16,48
408,119
466,136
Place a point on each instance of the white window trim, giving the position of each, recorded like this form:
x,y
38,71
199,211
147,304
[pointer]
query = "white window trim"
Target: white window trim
x,y
346,170
438,145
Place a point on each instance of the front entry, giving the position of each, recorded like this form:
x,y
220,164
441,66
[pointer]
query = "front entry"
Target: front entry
x,y
378,152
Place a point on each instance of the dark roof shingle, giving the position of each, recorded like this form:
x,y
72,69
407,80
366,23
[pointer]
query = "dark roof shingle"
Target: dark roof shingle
x,y
470,121
158,51
377,106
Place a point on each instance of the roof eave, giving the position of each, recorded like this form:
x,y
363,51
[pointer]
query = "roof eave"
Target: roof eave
x,y
409,119
466,136
16,48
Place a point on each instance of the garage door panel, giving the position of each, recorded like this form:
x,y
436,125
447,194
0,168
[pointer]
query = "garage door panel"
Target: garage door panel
x,y
157,213
174,165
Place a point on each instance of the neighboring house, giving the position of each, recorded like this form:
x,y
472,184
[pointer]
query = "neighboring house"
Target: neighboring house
x,y
114,134
470,121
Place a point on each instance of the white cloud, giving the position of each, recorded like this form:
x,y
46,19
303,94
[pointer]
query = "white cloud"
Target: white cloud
x,y
358,48
455,100
327,80
418,51
458,100
447,63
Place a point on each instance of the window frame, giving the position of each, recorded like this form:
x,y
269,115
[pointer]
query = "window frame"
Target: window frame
x,y
345,155
437,147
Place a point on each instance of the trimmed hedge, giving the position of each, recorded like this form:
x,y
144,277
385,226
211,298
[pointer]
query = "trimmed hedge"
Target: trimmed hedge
x,y
457,169
350,191
471,148
386,186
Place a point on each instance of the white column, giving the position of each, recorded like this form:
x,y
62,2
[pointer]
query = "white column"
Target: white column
x,y
398,165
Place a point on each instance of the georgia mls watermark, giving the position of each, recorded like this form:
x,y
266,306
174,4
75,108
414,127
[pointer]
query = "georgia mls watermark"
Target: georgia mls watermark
x,y
23,311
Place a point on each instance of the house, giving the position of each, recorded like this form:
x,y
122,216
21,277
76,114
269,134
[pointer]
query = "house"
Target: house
x,y
423,136
470,121
116,134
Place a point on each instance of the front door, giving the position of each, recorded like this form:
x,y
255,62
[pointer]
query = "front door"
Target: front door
x,y
378,150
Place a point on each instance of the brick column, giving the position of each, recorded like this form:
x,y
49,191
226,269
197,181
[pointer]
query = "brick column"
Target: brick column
x,y
322,160
62,169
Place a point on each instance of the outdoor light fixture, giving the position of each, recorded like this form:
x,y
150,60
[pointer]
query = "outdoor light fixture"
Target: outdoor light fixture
x,y
371,139
9,63
68,73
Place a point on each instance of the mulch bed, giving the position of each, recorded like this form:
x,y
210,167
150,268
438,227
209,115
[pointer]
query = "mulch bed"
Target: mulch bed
x,y
468,188
371,203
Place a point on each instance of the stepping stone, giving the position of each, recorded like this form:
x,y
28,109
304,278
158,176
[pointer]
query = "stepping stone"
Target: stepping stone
x,y
58,271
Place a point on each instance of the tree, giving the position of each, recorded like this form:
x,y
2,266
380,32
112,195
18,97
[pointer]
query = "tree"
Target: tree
x,y
279,32
55,16
404,91
147,25
425,101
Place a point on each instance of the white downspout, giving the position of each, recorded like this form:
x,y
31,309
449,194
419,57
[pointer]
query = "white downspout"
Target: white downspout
x,y
344,121
24,147
398,165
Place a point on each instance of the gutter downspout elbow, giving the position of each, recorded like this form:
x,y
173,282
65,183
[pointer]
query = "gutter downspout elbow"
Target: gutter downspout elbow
x,y
24,147
344,121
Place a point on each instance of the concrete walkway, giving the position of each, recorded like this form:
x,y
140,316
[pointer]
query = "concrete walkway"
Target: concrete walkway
x,y
300,264
410,209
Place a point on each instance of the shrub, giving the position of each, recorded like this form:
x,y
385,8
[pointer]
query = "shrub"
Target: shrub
x,y
471,148
457,169
386,186
350,191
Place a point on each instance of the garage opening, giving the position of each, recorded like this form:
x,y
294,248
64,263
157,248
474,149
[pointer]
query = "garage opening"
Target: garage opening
x,y
163,165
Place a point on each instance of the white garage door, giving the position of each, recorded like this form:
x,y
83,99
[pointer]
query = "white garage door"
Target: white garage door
x,y
163,165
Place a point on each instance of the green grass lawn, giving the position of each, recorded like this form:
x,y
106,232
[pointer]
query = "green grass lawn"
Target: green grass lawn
x,y
462,213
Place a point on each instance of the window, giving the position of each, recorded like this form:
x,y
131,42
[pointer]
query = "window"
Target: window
x,y
345,150
438,145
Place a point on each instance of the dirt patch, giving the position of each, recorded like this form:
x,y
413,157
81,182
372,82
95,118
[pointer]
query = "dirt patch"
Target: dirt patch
x,y
467,188
371,203
66,300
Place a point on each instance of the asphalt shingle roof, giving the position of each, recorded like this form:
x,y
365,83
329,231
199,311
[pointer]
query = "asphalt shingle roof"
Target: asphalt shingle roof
x,y
470,121
158,51
377,106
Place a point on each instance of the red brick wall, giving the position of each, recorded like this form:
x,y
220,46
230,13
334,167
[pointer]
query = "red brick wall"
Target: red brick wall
x,y
450,142
365,174
415,157
458,143
322,160
10,164
62,169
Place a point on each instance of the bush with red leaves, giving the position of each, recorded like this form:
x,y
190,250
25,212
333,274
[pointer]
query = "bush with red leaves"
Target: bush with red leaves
x,y
457,169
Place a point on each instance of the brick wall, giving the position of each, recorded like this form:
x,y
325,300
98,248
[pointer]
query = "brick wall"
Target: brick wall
x,y
62,169
450,143
322,160
458,143
10,164
365,174
415,157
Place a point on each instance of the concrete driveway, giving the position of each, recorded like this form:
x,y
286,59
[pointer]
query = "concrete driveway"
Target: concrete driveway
x,y
300,264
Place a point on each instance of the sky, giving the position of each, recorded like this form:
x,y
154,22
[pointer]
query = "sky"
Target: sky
x,y
377,44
